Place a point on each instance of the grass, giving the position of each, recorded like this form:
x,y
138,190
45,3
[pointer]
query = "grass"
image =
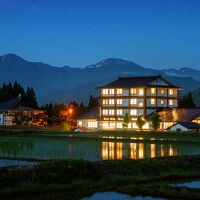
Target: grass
x,y
116,135
79,178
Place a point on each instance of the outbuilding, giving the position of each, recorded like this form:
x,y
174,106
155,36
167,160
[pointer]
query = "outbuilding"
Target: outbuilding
x,y
185,126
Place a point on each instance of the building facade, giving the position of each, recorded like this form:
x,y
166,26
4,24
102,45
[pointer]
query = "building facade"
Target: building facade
x,y
135,96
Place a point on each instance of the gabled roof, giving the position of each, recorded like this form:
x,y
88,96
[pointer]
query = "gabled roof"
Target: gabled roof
x,y
177,114
143,81
189,125
92,114
11,104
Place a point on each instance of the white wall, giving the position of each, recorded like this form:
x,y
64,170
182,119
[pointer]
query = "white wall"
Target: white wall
x,y
178,126
1,119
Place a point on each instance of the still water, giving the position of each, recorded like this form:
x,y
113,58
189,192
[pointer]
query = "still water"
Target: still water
x,y
117,196
90,149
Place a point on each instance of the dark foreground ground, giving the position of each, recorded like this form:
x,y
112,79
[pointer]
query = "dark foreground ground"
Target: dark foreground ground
x,y
75,179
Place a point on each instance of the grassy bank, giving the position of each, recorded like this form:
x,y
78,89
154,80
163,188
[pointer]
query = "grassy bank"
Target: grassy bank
x,y
78,178
116,135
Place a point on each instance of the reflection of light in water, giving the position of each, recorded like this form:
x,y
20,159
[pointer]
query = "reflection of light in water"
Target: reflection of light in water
x,y
104,151
114,150
153,151
133,149
171,152
162,151
111,150
70,150
119,150
108,150
141,151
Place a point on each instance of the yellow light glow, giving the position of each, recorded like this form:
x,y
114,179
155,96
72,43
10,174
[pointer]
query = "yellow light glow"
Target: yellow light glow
x,y
153,90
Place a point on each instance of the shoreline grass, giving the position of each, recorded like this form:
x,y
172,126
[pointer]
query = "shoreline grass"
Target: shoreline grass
x,y
147,177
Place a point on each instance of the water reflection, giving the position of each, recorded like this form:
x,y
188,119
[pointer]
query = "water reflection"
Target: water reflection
x,y
94,150
119,150
8,148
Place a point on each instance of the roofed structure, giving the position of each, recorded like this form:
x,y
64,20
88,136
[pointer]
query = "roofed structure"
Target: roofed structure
x,y
177,114
10,105
138,82
92,114
188,125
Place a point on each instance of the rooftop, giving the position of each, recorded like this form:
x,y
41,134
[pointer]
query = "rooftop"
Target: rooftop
x,y
177,114
92,114
142,81
189,125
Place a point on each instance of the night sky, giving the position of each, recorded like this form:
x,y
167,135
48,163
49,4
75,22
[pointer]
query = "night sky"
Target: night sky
x,y
152,33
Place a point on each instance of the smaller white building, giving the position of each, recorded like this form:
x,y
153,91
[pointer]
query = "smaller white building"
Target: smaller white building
x,y
185,126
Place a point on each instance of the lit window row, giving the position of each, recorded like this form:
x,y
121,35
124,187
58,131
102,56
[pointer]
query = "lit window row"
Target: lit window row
x,y
108,91
134,91
137,91
92,124
108,112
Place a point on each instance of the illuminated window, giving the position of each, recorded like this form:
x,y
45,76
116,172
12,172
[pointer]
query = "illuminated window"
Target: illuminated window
x,y
141,92
119,125
119,91
133,112
112,124
92,124
133,101
111,112
171,102
105,91
80,123
133,91
129,125
112,118
119,112
140,104
146,126
162,102
111,91
105,124
111,101
153,90
105,112
135,125
105,101
152,101
171,92
162,91
119,101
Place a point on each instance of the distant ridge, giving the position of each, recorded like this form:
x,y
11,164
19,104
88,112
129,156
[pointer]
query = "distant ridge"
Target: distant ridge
x,y
64,84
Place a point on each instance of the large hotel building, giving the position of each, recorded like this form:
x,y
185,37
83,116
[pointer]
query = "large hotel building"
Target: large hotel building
x,y
136,96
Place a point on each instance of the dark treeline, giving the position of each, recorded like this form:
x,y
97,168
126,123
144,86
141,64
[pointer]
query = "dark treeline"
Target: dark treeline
x,y
186,101
59,113
9,91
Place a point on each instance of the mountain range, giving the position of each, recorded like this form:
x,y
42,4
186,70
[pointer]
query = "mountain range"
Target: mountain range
x,y
64,84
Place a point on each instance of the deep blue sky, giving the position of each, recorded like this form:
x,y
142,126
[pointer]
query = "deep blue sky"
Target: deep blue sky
x,y
153,33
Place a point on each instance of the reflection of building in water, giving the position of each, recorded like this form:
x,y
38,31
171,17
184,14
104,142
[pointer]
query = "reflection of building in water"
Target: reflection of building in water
x,y
133,150
141,150
153,150
161,151
119,150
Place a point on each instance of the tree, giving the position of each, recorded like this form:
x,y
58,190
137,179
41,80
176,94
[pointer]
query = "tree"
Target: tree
x,y
187,101
155,119
140,122
93,102
127,120
65,127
